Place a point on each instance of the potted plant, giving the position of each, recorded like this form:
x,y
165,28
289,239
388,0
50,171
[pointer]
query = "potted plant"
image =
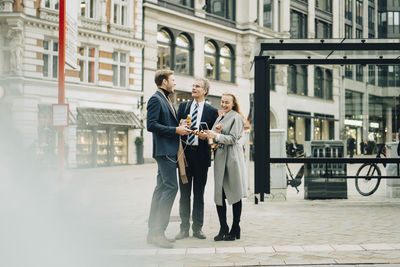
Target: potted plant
x,y
139,149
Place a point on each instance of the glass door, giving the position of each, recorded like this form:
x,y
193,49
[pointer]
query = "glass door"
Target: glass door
x,y
84,147
103,147
120,147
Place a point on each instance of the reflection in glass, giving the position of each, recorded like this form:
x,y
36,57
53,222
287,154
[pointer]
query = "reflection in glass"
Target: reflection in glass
x,y
225,64
120,147
210,60
182,54
164,50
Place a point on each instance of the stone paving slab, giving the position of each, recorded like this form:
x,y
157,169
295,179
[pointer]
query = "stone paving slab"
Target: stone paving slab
x,y
357,230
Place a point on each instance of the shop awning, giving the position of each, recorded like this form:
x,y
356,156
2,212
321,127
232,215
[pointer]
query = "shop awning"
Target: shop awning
x,y
308,116
96,117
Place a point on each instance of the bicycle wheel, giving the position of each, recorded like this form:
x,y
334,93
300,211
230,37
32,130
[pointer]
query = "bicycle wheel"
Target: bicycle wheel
x,y
368,186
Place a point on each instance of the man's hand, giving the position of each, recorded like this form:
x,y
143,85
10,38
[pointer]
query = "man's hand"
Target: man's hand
x,y
187,123
182,130
203,135
211,134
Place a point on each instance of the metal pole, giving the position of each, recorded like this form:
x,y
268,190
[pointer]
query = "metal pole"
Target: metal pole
x,y
261,127
61,83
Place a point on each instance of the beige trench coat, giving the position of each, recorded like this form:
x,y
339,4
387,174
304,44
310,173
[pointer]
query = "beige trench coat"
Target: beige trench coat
x,y
229,167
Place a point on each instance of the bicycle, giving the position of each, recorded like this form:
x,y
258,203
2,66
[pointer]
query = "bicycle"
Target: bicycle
x,y
368,186
295,182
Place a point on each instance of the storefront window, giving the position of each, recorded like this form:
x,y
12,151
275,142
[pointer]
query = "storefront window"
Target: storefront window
x,y
84,147
225,64
47,135
182,54
324,127
210,55
299,126
120,147
102,148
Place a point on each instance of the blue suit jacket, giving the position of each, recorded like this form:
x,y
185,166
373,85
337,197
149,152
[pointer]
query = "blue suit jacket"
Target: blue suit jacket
x,y
210,114
162,122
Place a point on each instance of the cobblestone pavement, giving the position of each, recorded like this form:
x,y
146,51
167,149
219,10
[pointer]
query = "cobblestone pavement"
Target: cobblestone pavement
x,y
357,230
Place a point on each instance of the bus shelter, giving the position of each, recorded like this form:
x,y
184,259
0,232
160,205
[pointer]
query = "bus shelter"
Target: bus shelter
x,y
335,52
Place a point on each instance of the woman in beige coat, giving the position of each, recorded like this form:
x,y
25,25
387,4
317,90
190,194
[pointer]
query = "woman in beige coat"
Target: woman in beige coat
x,y
229,172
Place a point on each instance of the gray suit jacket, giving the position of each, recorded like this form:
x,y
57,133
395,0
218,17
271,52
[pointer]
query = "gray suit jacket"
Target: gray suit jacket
x,y
229,168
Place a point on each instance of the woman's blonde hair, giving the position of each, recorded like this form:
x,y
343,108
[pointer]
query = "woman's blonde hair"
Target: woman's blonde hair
x,y
235,104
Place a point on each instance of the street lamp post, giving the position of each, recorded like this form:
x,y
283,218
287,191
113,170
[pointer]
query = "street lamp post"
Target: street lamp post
x,y
61,83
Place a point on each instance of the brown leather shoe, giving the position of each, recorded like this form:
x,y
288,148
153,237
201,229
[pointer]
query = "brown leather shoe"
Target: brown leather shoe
x,y
162,242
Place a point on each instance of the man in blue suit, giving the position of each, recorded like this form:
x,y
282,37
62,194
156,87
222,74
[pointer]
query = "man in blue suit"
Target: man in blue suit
x,y
198,157
163,123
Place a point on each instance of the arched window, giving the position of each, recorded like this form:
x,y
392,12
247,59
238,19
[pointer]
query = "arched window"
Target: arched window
x,y
183,54
328,84
318,83
210,59
164,41
292,71
225,64
301,80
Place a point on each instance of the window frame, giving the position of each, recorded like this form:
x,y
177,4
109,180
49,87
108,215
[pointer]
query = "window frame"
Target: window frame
x,y
51,53
119,65
173,35
121,21
230,7
53,4
92,9
218,45
86,59
303,30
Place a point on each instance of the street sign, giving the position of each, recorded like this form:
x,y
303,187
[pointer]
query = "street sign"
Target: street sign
x,y
60,115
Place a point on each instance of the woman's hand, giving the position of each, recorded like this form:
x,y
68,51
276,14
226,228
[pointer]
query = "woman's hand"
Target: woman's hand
x,y
218,128
203,135
211,134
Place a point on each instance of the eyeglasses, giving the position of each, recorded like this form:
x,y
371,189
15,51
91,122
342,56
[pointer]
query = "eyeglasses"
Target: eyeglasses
x,y
197,86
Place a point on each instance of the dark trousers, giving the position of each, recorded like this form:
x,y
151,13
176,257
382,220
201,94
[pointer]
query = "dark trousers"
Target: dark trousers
x,y
197,177
163,195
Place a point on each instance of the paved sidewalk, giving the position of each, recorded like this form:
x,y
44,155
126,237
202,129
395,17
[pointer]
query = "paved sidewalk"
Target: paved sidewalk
x,y
359,230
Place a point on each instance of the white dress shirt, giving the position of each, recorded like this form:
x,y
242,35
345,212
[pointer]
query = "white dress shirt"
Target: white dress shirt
x,y
199,114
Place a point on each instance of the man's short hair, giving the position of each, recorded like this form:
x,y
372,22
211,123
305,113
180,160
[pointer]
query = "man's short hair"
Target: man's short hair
x,y
206,84
161,75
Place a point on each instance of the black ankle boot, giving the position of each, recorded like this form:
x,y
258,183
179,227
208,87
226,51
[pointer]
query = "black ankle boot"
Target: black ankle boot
x,y
234,233
223,233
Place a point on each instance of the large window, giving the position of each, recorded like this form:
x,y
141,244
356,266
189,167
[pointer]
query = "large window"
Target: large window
x,y
359,73
348,31
348,9
324,127
164,42
182,54
297,79
382,24
299,126
323,83
318,83
325,5
371,18
87,58
268,10
210,60
221,8
371,74
174,53
119,69
358,33
52,4
348,71
298,25
218,62
323,29
119,10
88,8
226,64
50,59
359,12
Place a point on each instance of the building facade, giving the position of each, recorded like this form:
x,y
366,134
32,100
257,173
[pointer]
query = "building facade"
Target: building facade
x,y
103,89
